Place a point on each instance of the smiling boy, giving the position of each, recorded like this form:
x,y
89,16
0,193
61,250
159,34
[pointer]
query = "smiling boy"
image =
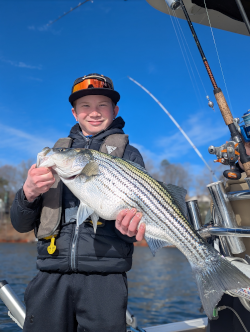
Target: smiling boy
x,y
81,285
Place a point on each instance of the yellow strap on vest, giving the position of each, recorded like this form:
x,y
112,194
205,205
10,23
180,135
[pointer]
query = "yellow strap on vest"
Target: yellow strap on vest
x,y
50,237
99,223
52,248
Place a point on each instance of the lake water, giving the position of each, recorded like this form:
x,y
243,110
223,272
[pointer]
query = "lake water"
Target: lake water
x,y
161,288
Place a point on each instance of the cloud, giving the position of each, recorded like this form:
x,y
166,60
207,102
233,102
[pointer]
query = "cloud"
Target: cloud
x,y
152,68
35,79
20,64
105,9
201,133
15,143
45,27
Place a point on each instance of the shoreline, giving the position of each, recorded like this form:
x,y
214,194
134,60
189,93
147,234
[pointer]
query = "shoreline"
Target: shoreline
x,y
9,235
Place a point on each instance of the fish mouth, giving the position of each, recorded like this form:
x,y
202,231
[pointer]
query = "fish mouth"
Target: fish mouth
x,y
71,177
44,162
68,178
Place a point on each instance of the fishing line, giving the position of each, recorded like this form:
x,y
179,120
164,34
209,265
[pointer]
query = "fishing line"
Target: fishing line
x,y
190,65
71,10
183,55
191,54
177,125
218,55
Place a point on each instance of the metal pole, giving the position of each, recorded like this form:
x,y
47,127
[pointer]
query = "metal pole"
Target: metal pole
x,y
243,14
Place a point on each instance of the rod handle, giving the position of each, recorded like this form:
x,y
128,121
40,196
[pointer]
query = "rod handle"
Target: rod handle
x,y
222,103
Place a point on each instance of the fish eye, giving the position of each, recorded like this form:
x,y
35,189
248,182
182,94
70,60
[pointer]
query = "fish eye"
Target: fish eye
x,y
61,149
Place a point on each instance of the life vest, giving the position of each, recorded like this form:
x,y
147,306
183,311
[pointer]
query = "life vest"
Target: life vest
x,y
52,200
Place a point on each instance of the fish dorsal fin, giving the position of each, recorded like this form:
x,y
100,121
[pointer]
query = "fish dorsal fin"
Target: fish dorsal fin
x,y
138,166
155,244
178,194
90,169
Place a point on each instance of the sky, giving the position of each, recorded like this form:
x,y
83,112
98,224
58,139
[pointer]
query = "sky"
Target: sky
x,y
116,38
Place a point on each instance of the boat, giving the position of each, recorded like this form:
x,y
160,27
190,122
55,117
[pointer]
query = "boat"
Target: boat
x,y
227,230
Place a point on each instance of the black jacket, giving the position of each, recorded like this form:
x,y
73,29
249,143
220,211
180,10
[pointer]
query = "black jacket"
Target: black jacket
x,y
107,251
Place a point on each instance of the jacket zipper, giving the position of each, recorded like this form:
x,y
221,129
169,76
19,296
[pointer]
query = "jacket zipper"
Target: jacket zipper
x,y
75,238
88,143
73,249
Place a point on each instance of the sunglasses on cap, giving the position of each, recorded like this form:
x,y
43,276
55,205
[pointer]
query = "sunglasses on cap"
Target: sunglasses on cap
x,y
92,81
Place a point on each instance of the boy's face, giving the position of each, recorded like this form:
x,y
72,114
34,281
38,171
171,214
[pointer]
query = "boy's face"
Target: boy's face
x,y
94,113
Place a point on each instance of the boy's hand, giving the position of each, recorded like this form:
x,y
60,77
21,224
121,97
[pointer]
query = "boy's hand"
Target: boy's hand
x,y
127,222
39,181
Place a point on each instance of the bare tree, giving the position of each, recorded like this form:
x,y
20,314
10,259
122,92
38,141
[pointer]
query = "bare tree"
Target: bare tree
x,y
23,168
205,177
12,178
176,174
3,184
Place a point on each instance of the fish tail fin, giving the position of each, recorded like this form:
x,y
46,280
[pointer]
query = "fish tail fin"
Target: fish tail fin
x,y
214,278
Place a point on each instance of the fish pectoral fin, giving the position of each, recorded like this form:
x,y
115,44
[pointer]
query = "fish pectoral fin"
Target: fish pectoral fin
x,y
94,218
83,212
155,244
90,169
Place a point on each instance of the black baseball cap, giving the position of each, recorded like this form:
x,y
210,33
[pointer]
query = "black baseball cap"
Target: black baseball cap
x,y
93,84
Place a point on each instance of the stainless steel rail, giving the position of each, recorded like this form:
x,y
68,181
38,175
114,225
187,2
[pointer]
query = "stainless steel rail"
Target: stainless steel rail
x,y
238,195
223,231
225,215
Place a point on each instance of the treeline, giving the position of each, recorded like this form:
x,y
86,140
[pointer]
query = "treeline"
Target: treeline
x,y
12,178
176,174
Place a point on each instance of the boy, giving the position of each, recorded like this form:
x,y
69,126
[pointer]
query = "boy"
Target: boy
x,y
81,285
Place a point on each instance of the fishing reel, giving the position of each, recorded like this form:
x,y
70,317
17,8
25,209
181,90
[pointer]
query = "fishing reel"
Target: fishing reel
x,y
227,154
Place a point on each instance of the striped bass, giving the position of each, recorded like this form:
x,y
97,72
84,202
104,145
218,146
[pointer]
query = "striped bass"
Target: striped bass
x,y
105,185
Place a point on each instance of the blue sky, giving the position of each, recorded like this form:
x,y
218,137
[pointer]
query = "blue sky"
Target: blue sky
x,y
116,38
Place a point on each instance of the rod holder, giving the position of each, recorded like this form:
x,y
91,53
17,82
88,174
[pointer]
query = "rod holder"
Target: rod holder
x,y
225,214
194,214
223,239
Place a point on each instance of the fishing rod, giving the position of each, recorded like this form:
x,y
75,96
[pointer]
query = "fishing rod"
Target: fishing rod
x,y
236,142
177,125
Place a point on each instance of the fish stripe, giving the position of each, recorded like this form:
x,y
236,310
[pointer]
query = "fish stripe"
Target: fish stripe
x,y
127,174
